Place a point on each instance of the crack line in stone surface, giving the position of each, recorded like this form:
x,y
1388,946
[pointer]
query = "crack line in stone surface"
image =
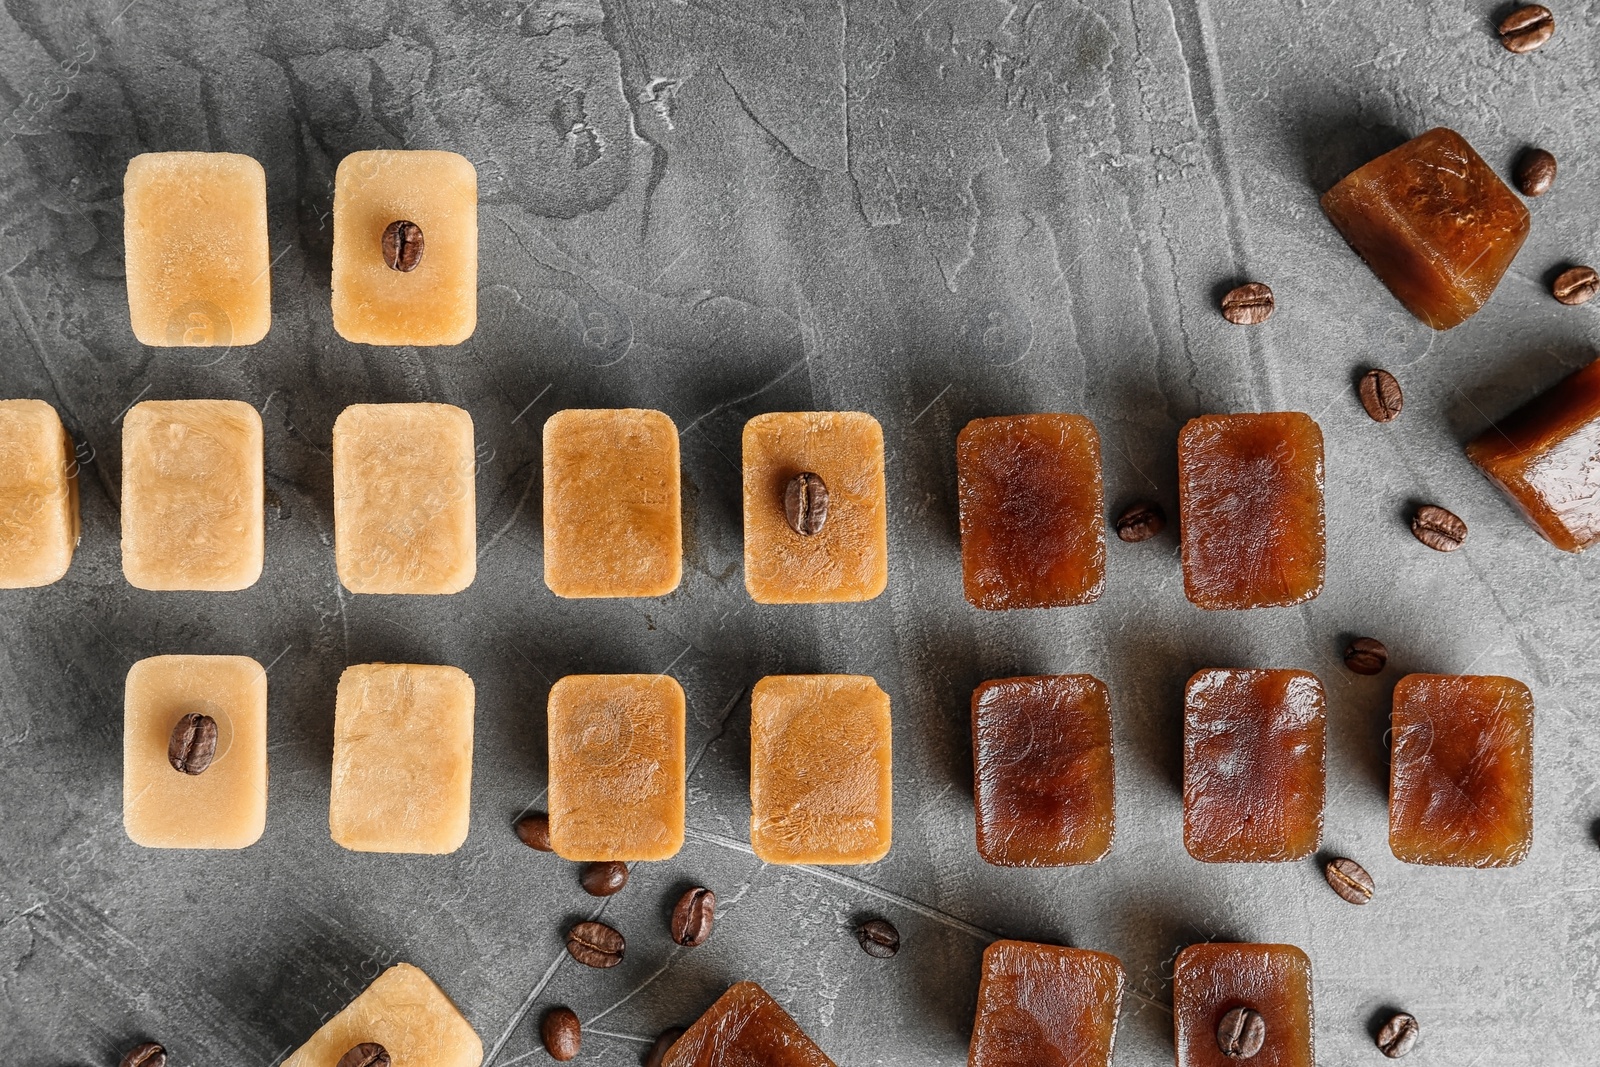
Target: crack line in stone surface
x,y
533,994
925,910
748,396
516,511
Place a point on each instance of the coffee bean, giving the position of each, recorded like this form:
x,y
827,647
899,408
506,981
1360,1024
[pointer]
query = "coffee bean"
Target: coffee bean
x,y
878,938
605,878
1248,305
693,916
1438,529
193,744
1536,172
1398,1036
1350,880
1381,395
1366,655
1576,285
805,504
366,1054
535,831
658,1050
595,945
1141,522
1241,1033
562,1034
402,246
148,1054
1527,28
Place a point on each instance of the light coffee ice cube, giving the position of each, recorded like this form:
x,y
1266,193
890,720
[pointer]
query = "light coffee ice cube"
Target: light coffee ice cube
x,y
195,240
404,503
616,767
224,805
402,758
38,495
193,495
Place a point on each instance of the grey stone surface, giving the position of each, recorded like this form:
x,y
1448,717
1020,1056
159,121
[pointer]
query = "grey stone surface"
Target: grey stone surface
x,y
927,210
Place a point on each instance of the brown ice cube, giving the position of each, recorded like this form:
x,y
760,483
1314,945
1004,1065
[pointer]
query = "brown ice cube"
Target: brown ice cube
x,y
1253,765
1045,1006
1435,224
1211,979
1042,770
1546,458
1461,771
1032,530
745,1027
1250,504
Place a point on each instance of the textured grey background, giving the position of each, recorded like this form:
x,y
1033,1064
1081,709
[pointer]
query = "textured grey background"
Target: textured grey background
x,y
927,210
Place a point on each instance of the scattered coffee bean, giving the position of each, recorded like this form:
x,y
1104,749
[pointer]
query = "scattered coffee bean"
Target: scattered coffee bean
x,y
1381,395
1248,305
604,878
1141,522
366,1054
878,938
693,916
1366,655
1398,1036
193,744
535,831
658,1051
1350,880
595,945
562,1034
1241,1033
1536,172
1527,28
148,1054
402,246
1576,285
805,504
1439,529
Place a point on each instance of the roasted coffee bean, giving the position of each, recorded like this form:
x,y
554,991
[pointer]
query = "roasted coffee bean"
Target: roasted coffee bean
x,y
1438,529
658,1050
1366,655
148,1054
595,945
604,878
1381,395
193,744
1241,1033
535,831
1576,285
805,504
878,938
1248,305
366,1054
693,916
1536,172
1527,28
562,1034
1350,880
402,246
1141,522
1398,1036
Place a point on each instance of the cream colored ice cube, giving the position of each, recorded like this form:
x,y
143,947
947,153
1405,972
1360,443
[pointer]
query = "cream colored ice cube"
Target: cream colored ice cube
x,y
38,495
195,240
405,1012
404,508
435,304
193,489
225,806
402,758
